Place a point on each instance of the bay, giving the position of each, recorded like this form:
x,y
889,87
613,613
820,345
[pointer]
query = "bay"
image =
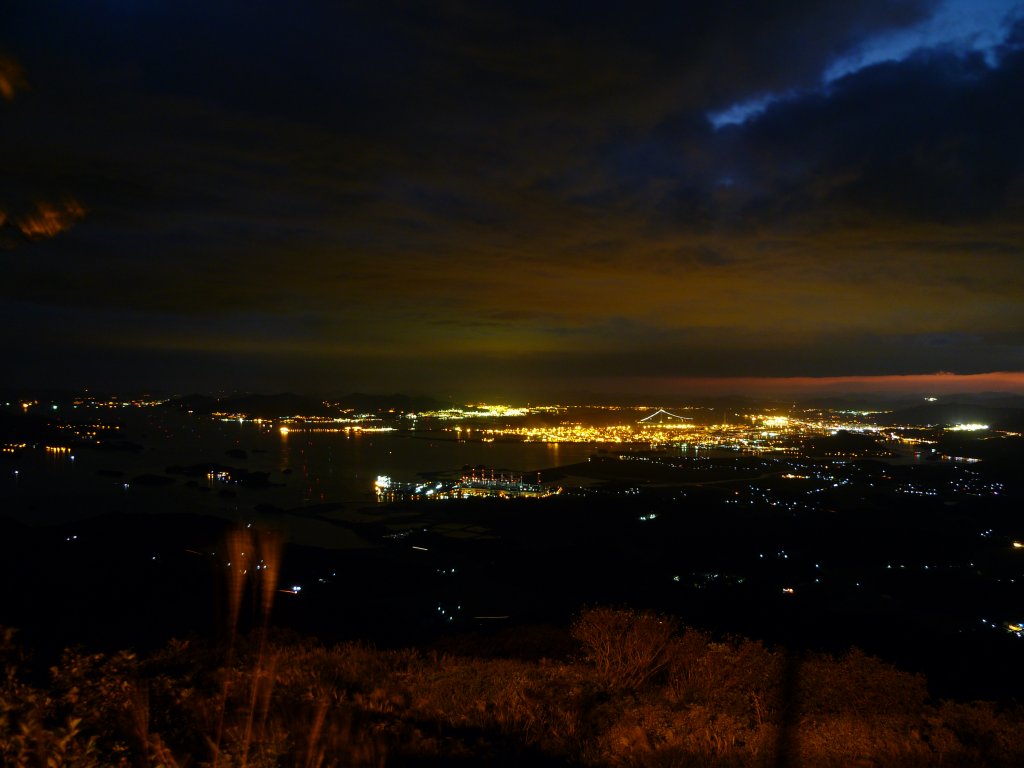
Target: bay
x,y
308,468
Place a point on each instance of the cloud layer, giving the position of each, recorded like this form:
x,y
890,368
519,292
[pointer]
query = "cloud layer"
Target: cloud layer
x,y
510,196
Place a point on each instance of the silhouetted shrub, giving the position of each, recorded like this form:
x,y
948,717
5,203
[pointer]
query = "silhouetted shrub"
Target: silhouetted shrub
x,y
627,648
985,734
35,730
858,684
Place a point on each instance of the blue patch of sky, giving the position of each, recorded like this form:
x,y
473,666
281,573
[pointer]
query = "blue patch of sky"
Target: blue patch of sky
x,y
962,26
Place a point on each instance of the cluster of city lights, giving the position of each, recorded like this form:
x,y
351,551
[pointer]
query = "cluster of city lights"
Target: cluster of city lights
x,y
286,430
476,411
757,434
117,402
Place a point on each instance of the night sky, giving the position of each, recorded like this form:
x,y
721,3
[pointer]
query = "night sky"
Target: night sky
x,y
520,199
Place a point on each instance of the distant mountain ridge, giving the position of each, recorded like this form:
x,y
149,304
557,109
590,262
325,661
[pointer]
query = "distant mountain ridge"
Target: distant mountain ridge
x,y
1000,417
288,404
367,403
264,406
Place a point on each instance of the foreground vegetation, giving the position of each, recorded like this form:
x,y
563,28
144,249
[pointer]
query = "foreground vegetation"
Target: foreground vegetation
x,y
638,692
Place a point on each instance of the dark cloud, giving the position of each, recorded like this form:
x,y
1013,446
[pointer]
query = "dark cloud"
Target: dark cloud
x,y
933,138
507,191
705,256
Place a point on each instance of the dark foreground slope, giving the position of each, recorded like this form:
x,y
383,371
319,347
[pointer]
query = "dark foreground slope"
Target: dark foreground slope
x,y
637,692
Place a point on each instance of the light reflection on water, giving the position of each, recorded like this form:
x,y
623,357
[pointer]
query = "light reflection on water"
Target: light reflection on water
x,y
304,468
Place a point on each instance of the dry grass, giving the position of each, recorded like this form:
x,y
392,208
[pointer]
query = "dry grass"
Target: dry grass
x,y
643,694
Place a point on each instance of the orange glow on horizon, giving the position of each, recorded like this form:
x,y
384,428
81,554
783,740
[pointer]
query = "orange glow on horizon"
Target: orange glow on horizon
x,y
932,383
